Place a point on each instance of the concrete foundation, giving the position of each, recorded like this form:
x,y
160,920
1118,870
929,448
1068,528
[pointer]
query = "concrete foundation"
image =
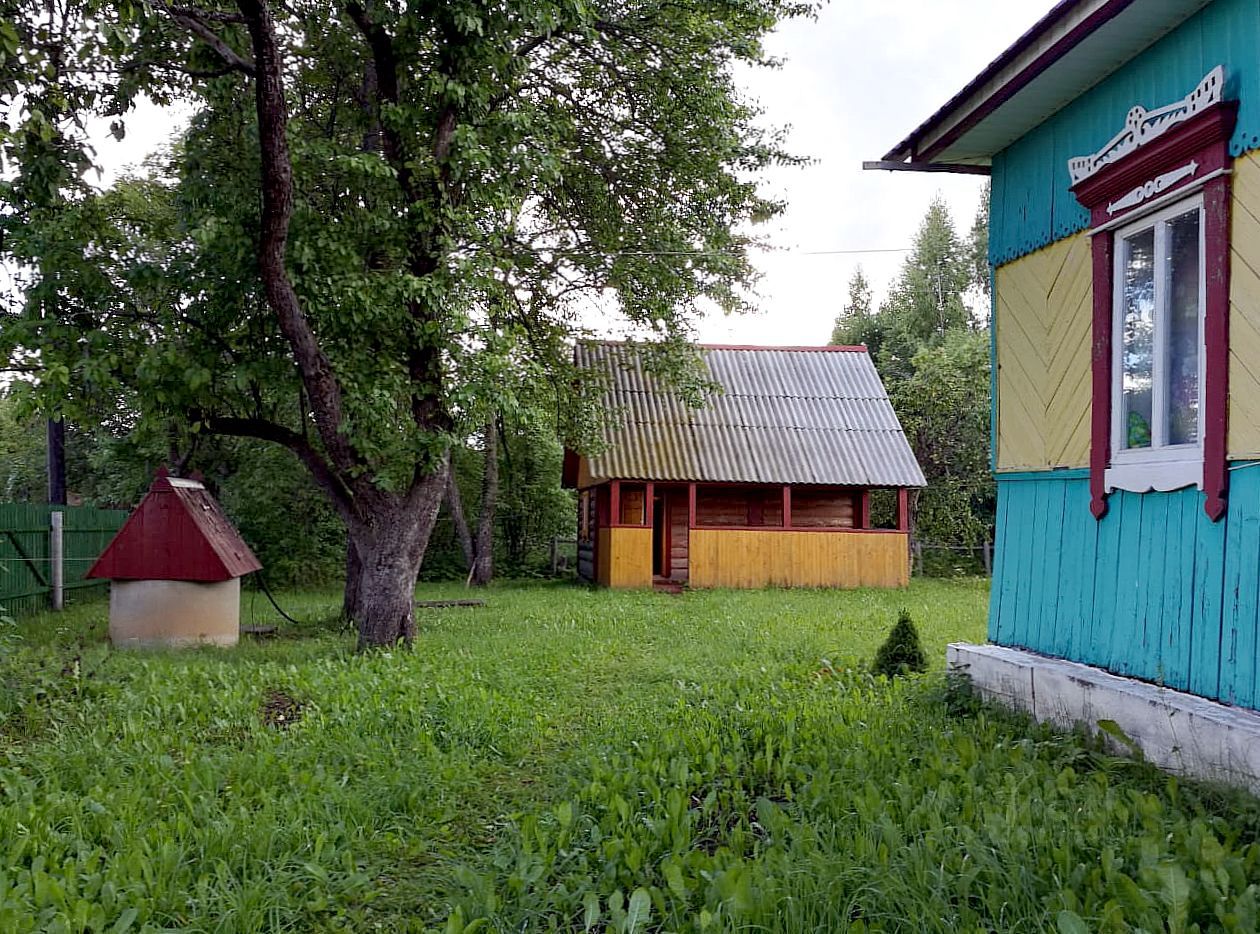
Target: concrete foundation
x,y
1179,732
174,613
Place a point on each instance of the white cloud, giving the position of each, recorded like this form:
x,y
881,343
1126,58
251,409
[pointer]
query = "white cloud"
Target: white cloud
x,y
854,83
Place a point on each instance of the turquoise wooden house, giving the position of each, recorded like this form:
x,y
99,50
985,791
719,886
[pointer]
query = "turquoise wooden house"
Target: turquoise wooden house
x,y
1123,143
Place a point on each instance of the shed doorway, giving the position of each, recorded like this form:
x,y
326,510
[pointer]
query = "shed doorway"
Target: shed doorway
x,y
670,535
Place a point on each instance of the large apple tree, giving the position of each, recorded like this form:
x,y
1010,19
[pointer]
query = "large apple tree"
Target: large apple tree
x,y
380,216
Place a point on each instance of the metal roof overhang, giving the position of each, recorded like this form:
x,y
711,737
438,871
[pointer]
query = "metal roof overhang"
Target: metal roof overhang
x,y
1074,47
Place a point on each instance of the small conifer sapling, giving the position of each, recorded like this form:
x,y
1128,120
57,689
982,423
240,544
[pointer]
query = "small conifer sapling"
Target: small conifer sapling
x,y
901,652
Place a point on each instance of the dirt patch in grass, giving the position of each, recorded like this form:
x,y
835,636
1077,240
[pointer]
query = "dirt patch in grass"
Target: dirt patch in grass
x,y
280,710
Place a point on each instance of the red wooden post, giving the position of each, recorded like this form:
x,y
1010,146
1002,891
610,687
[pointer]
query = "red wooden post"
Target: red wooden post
x,y
787,506
615,503
864,515
903,509
648,506
691,505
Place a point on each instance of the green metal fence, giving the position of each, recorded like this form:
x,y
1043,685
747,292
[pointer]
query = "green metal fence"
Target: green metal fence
x,y
26,573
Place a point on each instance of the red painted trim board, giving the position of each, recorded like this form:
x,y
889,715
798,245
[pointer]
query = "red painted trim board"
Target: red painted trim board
x,y
1216,208
1016,84
1100,412
830,530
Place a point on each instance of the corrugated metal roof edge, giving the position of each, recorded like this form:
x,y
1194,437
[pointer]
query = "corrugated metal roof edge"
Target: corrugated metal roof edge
x,y
796,348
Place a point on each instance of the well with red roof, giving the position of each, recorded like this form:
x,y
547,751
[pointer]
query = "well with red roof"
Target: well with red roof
x,y
175,568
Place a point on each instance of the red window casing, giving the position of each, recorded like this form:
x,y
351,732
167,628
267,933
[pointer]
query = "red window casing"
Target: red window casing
x,y
1203,140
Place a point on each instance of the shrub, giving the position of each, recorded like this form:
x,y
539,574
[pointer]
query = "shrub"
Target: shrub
x,y
901,652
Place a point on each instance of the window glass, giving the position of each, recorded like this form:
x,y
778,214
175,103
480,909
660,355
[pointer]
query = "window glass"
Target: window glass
x,y
1138,354
1159,341
1182,272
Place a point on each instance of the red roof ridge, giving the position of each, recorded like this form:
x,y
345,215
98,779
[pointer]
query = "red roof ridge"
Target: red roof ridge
x,y
795,348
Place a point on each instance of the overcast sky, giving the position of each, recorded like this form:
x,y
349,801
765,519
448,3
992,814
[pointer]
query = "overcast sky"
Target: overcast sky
x,y
854,82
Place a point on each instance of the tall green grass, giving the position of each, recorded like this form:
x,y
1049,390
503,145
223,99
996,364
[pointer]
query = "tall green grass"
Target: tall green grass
x,y
565,759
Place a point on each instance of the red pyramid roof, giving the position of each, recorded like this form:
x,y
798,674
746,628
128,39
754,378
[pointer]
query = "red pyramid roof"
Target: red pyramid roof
x,y
178,532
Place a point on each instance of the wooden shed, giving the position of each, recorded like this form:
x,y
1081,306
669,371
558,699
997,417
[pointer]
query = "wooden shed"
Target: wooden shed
x,y
175,569
768,483
1123,141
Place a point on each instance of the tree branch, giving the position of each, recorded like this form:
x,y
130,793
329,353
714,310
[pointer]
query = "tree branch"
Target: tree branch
x,y
322,388
192,21
263,430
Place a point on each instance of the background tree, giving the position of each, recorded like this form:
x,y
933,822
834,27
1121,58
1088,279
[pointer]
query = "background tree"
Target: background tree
x,y
363,190
932,351
944,408
978,243
857,322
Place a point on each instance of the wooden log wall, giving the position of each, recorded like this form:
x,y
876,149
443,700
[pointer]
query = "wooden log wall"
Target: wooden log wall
x,y
738,506
823,509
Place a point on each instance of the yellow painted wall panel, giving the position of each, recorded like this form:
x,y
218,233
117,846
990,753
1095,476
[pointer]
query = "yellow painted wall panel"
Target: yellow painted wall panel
x,y
1044,325
624,558
741,558
1244,311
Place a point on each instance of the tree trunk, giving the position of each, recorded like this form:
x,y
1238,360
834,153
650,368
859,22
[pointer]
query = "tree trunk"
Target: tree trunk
x,y
386,595
455,504
350,608
483,564
391,543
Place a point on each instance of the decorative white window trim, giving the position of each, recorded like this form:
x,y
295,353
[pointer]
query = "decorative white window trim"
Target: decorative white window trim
x,y
1156,476
1156,186
1160,467
1142,126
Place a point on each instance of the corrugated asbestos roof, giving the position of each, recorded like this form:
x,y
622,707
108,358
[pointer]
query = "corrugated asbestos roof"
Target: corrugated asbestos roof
x,y
800,415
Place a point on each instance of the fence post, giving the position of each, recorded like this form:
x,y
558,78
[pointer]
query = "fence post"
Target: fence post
x,y
988,558
56,557
555,553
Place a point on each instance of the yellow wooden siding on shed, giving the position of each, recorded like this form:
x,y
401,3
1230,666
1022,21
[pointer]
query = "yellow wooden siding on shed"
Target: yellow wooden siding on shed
x,y
1044,326
739,558
1044,343
624,558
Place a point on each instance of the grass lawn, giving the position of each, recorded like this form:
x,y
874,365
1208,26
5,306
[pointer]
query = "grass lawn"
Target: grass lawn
x,y
572,760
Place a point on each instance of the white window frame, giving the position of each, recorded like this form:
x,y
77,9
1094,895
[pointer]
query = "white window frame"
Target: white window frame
x,y
1161,466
